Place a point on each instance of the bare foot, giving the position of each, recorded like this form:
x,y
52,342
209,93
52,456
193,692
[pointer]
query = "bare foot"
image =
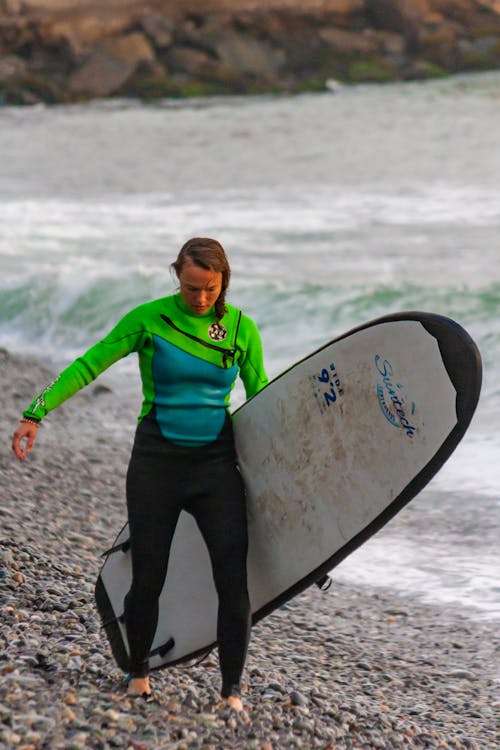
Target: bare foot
x,y
139,686
234,702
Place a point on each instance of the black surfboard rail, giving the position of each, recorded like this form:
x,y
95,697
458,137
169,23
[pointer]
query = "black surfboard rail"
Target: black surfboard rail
x,y
110,625
462,361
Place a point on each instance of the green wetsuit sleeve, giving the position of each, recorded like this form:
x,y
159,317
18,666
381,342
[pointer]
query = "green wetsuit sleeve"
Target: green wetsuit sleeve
x,y
127,336
251,360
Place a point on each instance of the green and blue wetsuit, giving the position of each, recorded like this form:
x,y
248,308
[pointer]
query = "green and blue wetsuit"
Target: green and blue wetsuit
x,y
183,458
188,366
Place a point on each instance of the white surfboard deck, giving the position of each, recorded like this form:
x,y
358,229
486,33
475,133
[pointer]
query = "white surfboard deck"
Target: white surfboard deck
x,y
329,452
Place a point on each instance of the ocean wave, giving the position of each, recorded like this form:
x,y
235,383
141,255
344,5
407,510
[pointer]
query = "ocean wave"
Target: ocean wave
x,y
64,311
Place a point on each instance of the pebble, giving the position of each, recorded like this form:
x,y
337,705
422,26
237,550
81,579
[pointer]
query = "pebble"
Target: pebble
x,y
297,699
462,674
342,670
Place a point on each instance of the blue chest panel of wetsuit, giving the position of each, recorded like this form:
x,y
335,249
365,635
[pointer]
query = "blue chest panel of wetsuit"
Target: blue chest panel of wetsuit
x,y
190,394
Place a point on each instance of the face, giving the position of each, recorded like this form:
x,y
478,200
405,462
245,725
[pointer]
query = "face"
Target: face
x,y
199,287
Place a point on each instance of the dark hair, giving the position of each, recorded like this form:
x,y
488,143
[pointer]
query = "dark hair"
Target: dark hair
x,y
209,254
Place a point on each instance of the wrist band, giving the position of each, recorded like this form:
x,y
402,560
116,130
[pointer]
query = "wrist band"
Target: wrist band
x,y
29,420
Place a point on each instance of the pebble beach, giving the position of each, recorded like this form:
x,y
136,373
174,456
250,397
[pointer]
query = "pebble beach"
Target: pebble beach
x,y
347,668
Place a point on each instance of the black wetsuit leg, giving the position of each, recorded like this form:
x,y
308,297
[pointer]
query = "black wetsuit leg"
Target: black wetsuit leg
x,y
220,512
163,479
153,510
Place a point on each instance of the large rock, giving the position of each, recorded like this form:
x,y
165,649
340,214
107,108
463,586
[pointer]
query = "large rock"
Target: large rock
x,y
159,29
17,34
81,31
247,54
389,43
402,15
367,43
340,12
110,65
189,60
100,76
12,67
11,7
464,11
229,59
438,44
131,49
348,42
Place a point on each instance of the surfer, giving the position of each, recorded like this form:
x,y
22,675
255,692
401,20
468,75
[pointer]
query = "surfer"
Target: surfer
x,y
191,347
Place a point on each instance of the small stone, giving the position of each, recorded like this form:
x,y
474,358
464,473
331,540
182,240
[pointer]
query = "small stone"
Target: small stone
x,y
207,718
297,699
303,725
78,741
112,715
364,665
10,737
462,674
275,685
68,714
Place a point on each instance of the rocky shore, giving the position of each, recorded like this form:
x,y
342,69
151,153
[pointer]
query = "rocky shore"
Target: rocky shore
x,y
349,668
74,50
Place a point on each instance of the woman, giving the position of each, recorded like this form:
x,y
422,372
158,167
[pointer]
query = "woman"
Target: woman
x,y
191,346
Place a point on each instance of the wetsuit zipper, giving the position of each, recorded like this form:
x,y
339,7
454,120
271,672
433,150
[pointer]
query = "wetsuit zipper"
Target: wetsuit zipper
x,y
226,353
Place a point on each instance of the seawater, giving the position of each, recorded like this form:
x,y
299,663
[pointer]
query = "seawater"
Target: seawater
x,y
334,209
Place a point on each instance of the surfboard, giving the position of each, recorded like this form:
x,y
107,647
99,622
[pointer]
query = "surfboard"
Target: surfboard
x,y
330,451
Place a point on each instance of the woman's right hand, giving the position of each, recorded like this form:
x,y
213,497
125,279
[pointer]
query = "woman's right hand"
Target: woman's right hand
x,y
23,439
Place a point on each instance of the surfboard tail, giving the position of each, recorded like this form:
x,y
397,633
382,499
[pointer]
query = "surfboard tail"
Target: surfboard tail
x,y
110,625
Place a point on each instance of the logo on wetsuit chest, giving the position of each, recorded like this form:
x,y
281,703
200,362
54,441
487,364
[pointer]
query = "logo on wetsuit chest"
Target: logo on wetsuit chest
x,y
217,332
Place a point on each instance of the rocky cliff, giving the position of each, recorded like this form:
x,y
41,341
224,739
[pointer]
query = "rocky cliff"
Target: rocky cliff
x,y
71,50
